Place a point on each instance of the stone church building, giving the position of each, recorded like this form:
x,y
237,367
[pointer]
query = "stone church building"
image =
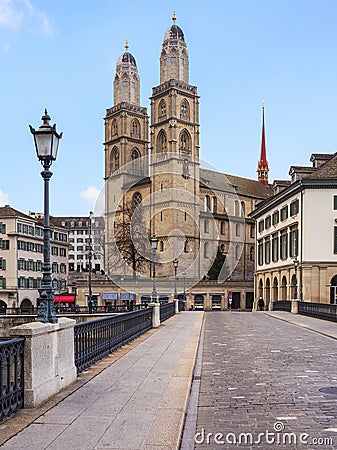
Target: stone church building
x,y
156,184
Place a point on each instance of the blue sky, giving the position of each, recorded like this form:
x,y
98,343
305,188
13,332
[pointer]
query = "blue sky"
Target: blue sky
x,y
62,55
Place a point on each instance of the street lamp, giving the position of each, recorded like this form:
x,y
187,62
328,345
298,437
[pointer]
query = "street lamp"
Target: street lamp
x,y
296,264
175,265
90,305
46,141
184,275
154,245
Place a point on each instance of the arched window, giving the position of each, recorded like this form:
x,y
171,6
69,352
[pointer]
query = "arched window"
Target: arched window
x,y
223,227
292,286
114,160
242,211
162,109
207,203
136,199
267,293
214,204
185,110
135,154
186,246
260,290
161,142
185,142
206,245
236,208
161,246
114,128
251,254
237,229
275,289
135,128
333,290
237,252
284,288
135,161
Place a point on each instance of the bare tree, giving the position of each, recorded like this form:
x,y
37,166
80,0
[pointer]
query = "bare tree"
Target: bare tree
x,y
130,247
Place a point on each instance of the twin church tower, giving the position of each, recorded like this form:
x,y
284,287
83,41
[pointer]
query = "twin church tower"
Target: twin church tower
x,y
162,170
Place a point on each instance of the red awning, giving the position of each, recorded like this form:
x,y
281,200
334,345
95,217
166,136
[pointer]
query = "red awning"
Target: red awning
x,y
64,298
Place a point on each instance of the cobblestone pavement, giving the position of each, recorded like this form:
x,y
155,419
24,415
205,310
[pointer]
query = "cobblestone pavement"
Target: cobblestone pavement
x,y
263,375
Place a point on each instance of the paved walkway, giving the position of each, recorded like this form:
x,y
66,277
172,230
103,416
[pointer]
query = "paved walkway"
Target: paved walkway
x,y
138,402
266,383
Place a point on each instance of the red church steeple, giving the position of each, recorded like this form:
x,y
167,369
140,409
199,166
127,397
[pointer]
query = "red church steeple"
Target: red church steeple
x,y
262,166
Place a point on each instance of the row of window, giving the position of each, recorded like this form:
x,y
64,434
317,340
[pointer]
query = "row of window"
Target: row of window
x,y
56,251
278,215
184,110
59,268
29,283
30,230
278,246
30,246
211,205
135,129
35,266
80,232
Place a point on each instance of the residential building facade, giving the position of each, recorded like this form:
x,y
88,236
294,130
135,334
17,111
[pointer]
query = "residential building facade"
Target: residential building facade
x,y
21,258
296,233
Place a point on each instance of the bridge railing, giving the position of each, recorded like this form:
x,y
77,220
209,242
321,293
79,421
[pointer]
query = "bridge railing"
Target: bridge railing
x,y
98,338
282,305
11,376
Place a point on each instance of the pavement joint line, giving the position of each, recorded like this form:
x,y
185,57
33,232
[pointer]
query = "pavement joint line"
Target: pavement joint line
x,y
307,327
20,420
190,419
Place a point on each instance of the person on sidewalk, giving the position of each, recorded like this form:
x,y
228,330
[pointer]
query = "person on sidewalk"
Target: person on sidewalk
x,y
260,304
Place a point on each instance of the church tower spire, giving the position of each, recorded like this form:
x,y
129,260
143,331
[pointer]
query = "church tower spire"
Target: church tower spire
x,y
262,166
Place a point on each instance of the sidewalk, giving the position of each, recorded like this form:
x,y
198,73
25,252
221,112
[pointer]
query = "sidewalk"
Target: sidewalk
x,y
324,327
137,402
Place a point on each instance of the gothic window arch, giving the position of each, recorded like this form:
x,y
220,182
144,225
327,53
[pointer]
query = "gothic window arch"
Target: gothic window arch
x,y
161,246
242,211
114,128
207,203
135,128
162,109
114,160
161,142
214,204
135,161
236,208
185,142
185,110
136,199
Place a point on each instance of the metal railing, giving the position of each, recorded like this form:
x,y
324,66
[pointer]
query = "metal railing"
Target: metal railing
x,y
98,338
282,305
319,310
166,310
11,376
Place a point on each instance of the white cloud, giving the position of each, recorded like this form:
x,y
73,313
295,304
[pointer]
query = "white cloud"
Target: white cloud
x,y
3,199
15,14
91,194
96,199
10,16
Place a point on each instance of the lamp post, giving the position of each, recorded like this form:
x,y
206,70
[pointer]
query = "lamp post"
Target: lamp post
x,y
175,265
296,264
90,305
154,245
46,141
184,275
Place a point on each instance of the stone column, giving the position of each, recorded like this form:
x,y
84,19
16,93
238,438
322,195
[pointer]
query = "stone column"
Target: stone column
x,y
48,358
294,306
155,314
176,306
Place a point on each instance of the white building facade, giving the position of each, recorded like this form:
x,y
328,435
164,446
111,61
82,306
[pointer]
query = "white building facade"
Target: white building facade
x,y
296,230
21,258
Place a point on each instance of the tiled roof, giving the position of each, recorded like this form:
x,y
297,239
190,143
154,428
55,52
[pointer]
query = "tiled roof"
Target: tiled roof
x,y
8,211
326,170
242,186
